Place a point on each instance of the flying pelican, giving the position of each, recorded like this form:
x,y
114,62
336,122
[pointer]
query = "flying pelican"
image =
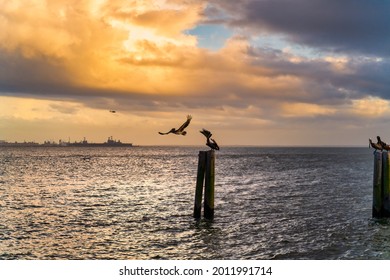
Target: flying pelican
x,y
180,130
383,144
212,144
376,146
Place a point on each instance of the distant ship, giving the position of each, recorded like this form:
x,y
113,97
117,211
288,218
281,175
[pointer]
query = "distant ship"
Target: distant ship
x,y
110,143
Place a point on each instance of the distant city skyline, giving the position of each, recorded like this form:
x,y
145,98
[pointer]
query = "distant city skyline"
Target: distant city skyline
x,y
259,73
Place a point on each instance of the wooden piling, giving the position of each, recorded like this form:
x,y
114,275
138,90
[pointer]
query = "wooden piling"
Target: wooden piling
x,y
199,184
209,185
385,184
377,202
206,175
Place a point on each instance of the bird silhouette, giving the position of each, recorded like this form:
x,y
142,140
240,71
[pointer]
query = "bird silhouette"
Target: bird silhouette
x,y
180,130
376,146
382,144
210,141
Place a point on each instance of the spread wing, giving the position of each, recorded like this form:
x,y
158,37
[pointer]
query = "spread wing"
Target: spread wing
x,y
206,133
165,133
184,125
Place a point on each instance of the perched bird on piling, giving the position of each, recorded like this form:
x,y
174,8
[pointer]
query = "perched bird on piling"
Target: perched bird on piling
x,y
383,144
180,130
376,146
212,144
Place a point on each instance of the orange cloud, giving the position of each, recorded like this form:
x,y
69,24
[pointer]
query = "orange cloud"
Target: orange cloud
x,y
306,110
89,40
371,107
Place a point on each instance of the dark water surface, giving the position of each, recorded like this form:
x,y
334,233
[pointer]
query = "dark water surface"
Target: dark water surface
x,y
137,203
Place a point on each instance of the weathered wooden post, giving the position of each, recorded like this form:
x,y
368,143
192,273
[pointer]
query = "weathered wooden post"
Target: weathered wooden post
x,y
209,185
377,186
199,184
206,175
385,184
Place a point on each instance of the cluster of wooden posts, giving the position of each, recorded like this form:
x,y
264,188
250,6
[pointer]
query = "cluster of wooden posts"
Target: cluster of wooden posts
x,y
381,185
206,177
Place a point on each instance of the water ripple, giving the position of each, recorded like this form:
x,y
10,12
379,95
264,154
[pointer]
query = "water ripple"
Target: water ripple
x,y
136,203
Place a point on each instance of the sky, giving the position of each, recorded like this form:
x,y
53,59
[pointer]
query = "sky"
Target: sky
x,y
253,72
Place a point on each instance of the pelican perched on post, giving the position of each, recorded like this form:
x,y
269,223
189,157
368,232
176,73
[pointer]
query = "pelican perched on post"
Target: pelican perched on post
x,y
382,144
376,146
180,130
212,144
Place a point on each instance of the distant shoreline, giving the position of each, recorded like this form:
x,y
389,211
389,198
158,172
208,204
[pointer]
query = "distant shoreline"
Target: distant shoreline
x,y
38,145
110,143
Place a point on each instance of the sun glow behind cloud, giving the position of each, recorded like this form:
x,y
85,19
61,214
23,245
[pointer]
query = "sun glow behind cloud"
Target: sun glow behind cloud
x,y
91,45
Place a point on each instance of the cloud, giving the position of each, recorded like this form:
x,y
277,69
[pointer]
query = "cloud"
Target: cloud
x,y
337,26
328,79
371,107
85,47
123,51
146,20
306,110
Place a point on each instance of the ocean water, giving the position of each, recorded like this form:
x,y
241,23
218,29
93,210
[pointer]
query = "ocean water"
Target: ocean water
x,y
137,203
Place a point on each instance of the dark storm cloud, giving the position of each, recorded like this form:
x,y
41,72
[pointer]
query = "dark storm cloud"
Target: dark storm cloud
x,y
359,26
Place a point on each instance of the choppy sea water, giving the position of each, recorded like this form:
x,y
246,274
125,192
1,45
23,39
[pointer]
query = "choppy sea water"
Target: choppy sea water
x,y
137,203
